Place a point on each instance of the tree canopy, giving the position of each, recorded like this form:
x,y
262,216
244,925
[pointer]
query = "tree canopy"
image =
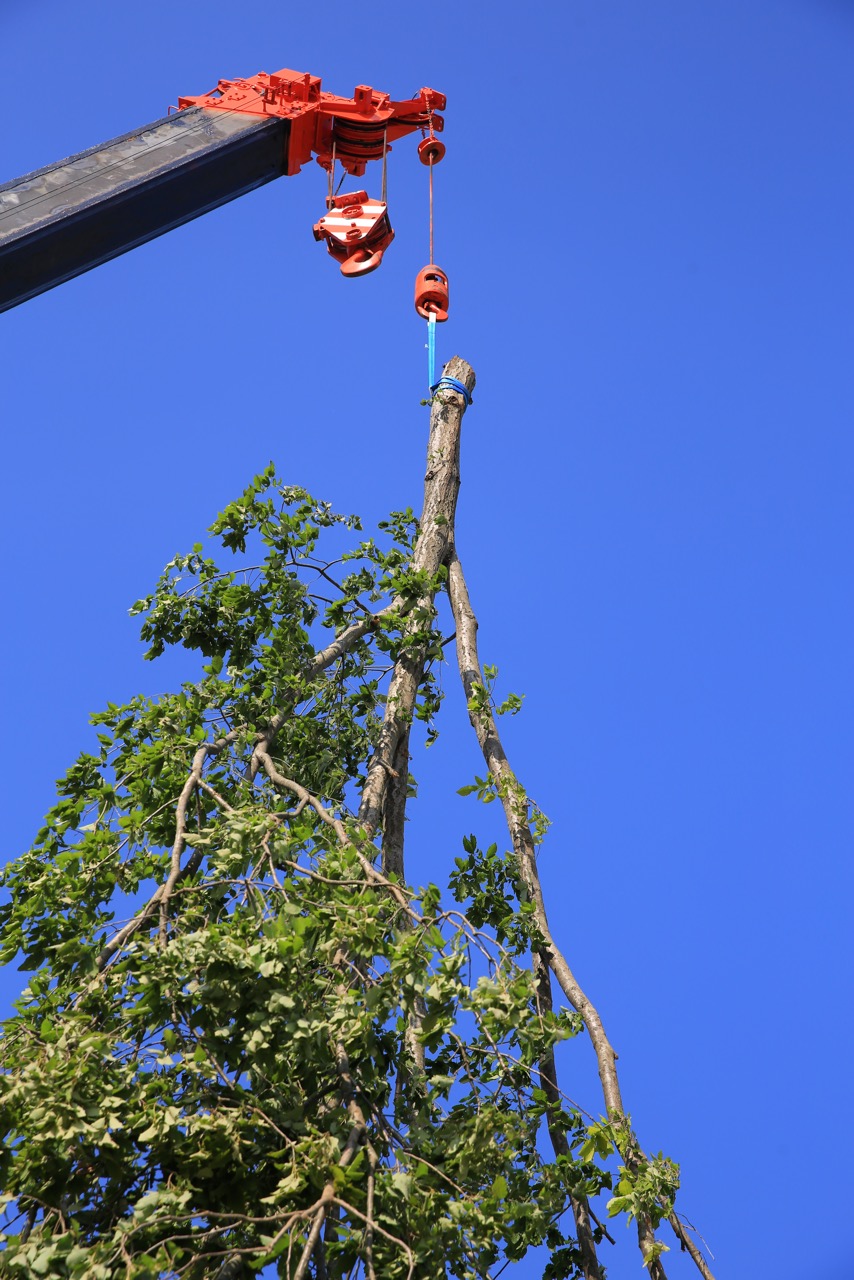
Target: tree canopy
x,y
246,1038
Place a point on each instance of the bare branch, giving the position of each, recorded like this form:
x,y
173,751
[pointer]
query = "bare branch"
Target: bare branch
x,y
369,1226
214,795
591,1269
340,830
516,806
441,489
349,1208
395,808
688,1244
313,1236
180,828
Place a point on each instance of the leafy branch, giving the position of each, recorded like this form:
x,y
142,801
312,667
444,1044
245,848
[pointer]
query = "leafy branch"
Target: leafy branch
x,y
246,1040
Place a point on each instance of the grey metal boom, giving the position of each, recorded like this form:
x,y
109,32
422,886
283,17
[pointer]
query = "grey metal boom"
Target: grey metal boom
x,y
73,215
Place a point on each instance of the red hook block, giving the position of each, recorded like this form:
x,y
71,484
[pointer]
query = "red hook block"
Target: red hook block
x,y
431,293
357,232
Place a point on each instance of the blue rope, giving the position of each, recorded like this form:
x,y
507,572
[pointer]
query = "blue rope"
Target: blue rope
x,y
453,384
431,349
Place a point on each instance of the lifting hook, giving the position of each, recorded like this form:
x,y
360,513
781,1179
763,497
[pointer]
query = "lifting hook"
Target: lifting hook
x,y
357,232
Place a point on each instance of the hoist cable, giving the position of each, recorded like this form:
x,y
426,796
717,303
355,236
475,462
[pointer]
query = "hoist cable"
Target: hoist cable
x,y
330,192
431,209
431,318
385,166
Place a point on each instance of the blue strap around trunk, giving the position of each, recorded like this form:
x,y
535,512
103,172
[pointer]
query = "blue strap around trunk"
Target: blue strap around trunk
x,y
453,384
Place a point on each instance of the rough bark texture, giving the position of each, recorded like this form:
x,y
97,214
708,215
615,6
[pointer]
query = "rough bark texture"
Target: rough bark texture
x,y
515,803
383,802
441,490
385,792
548,1080
395,809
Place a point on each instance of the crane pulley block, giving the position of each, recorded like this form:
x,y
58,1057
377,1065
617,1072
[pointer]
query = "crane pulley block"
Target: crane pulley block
x,y
357,232
350,130
432,293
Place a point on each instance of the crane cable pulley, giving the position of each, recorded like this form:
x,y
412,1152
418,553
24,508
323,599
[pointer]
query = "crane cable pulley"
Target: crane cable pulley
x,y
356,229
431,283
357,232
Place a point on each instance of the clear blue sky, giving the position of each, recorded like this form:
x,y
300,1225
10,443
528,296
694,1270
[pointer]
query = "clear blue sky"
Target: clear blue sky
x,y
646,214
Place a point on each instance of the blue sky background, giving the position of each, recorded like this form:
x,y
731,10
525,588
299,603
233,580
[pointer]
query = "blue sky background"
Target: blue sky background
x,y
646,214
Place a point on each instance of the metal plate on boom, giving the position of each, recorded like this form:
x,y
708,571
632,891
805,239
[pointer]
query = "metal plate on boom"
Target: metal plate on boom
x,y
61,220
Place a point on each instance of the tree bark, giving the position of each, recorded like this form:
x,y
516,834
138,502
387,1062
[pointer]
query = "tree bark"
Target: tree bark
x,y
590,1266
516,804
395,809
441,490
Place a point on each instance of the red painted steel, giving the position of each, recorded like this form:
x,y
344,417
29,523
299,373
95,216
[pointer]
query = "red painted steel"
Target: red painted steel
x,y
352,130
357,232
431,150
431,293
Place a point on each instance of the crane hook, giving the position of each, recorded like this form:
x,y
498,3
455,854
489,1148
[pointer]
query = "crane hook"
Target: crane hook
x,y
357,232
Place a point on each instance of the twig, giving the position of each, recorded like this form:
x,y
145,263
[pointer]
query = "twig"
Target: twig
x,y
209,790
341,832
180,828
688,1244
349,1208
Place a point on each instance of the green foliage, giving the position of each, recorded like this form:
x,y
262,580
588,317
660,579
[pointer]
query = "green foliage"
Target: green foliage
x,y
188,1096
482,700
646,1191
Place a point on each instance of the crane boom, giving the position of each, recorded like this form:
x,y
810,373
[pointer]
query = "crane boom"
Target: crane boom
x,y
61,220
70,216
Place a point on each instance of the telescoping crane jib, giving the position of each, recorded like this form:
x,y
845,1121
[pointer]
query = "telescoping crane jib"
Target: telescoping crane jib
x,y
73,215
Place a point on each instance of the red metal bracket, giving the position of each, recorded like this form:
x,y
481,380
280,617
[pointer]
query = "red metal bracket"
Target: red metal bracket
x,y
353,129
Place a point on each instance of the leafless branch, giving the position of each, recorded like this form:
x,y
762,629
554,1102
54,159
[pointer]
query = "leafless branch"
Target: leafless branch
x,y
340,830
349,1208
516,807
369,1225
441,489
214,795
180,829
688,1244
313,1236
548,1079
